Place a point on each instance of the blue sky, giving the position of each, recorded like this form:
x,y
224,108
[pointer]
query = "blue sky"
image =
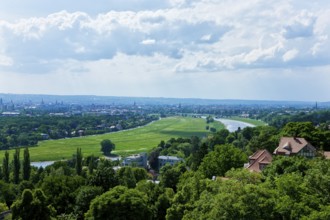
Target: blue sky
x,y
218,49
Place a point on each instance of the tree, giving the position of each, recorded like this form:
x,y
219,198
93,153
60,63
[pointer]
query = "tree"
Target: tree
x,y
153,158
126,177
104,176
209,119
26,165
107,146
213,130
3,207
84,197
169,176
299,129
17,166
31,206
61,191
91,164
158,198
120,203
222,159
79,158
8,192
140,174
5,167
198,156
282,165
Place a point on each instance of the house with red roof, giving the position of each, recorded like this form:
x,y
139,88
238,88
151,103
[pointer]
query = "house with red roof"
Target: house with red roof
x,y
290,146
259,160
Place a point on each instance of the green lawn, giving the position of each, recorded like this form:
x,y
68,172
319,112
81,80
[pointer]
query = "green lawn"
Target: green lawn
x,y
249,120
127,142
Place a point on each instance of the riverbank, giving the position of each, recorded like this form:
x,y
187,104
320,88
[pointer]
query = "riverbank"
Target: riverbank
x,y
232,125
249,120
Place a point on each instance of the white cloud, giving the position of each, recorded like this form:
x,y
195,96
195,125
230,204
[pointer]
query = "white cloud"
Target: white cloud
x,y
5,61
148,41
289,55
182,37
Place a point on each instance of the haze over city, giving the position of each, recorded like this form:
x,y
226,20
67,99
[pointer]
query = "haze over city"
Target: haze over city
x,y
216,49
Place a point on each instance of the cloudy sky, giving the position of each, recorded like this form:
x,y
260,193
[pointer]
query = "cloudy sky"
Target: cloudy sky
x,y
218,49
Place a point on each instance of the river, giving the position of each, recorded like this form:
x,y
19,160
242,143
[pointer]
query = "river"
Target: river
x,y
42,164
233,125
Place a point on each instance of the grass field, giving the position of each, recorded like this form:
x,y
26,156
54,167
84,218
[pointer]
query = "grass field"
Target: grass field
x,y
249,120
127,142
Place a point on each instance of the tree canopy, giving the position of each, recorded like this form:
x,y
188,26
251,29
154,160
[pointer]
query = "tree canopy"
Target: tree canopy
x,y
107,146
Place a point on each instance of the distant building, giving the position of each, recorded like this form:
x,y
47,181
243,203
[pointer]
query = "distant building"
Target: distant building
x,y
137,160
10,114
119,127
44,136
290,146
259,160
163,160
81,133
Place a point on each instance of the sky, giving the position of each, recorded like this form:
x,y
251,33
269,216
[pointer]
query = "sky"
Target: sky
x,y
215,49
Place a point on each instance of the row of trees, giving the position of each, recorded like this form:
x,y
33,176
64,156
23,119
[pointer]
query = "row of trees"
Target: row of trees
x,y
14,167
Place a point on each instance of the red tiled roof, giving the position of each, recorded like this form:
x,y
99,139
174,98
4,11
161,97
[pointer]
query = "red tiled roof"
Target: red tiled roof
x,y
292,145
262,157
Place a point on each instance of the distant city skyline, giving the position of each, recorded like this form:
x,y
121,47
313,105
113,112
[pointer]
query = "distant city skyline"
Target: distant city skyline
x,y
209,49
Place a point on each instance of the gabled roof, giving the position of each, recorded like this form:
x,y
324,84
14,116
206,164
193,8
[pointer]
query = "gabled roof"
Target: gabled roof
x,y
292,145
259,157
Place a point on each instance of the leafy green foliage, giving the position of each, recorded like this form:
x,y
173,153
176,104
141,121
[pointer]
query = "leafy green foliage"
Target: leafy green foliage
x,y
32,205
289,188
16,166
8,193
26,165
104,176
222,159
61,191
84,196
159,198
79,162
120,203
282,165
169,176
107,146
3,207
5,167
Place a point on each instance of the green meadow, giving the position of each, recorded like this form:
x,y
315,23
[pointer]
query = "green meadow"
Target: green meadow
x,y
136,140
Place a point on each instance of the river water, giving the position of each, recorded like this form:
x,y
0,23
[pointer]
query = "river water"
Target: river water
x,y
233,125
42,164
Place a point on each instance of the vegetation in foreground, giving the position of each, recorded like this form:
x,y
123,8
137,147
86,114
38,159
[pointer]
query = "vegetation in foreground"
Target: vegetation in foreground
x,y
87,188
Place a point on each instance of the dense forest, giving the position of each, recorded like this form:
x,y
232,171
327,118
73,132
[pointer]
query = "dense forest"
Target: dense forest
x,y
210,183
